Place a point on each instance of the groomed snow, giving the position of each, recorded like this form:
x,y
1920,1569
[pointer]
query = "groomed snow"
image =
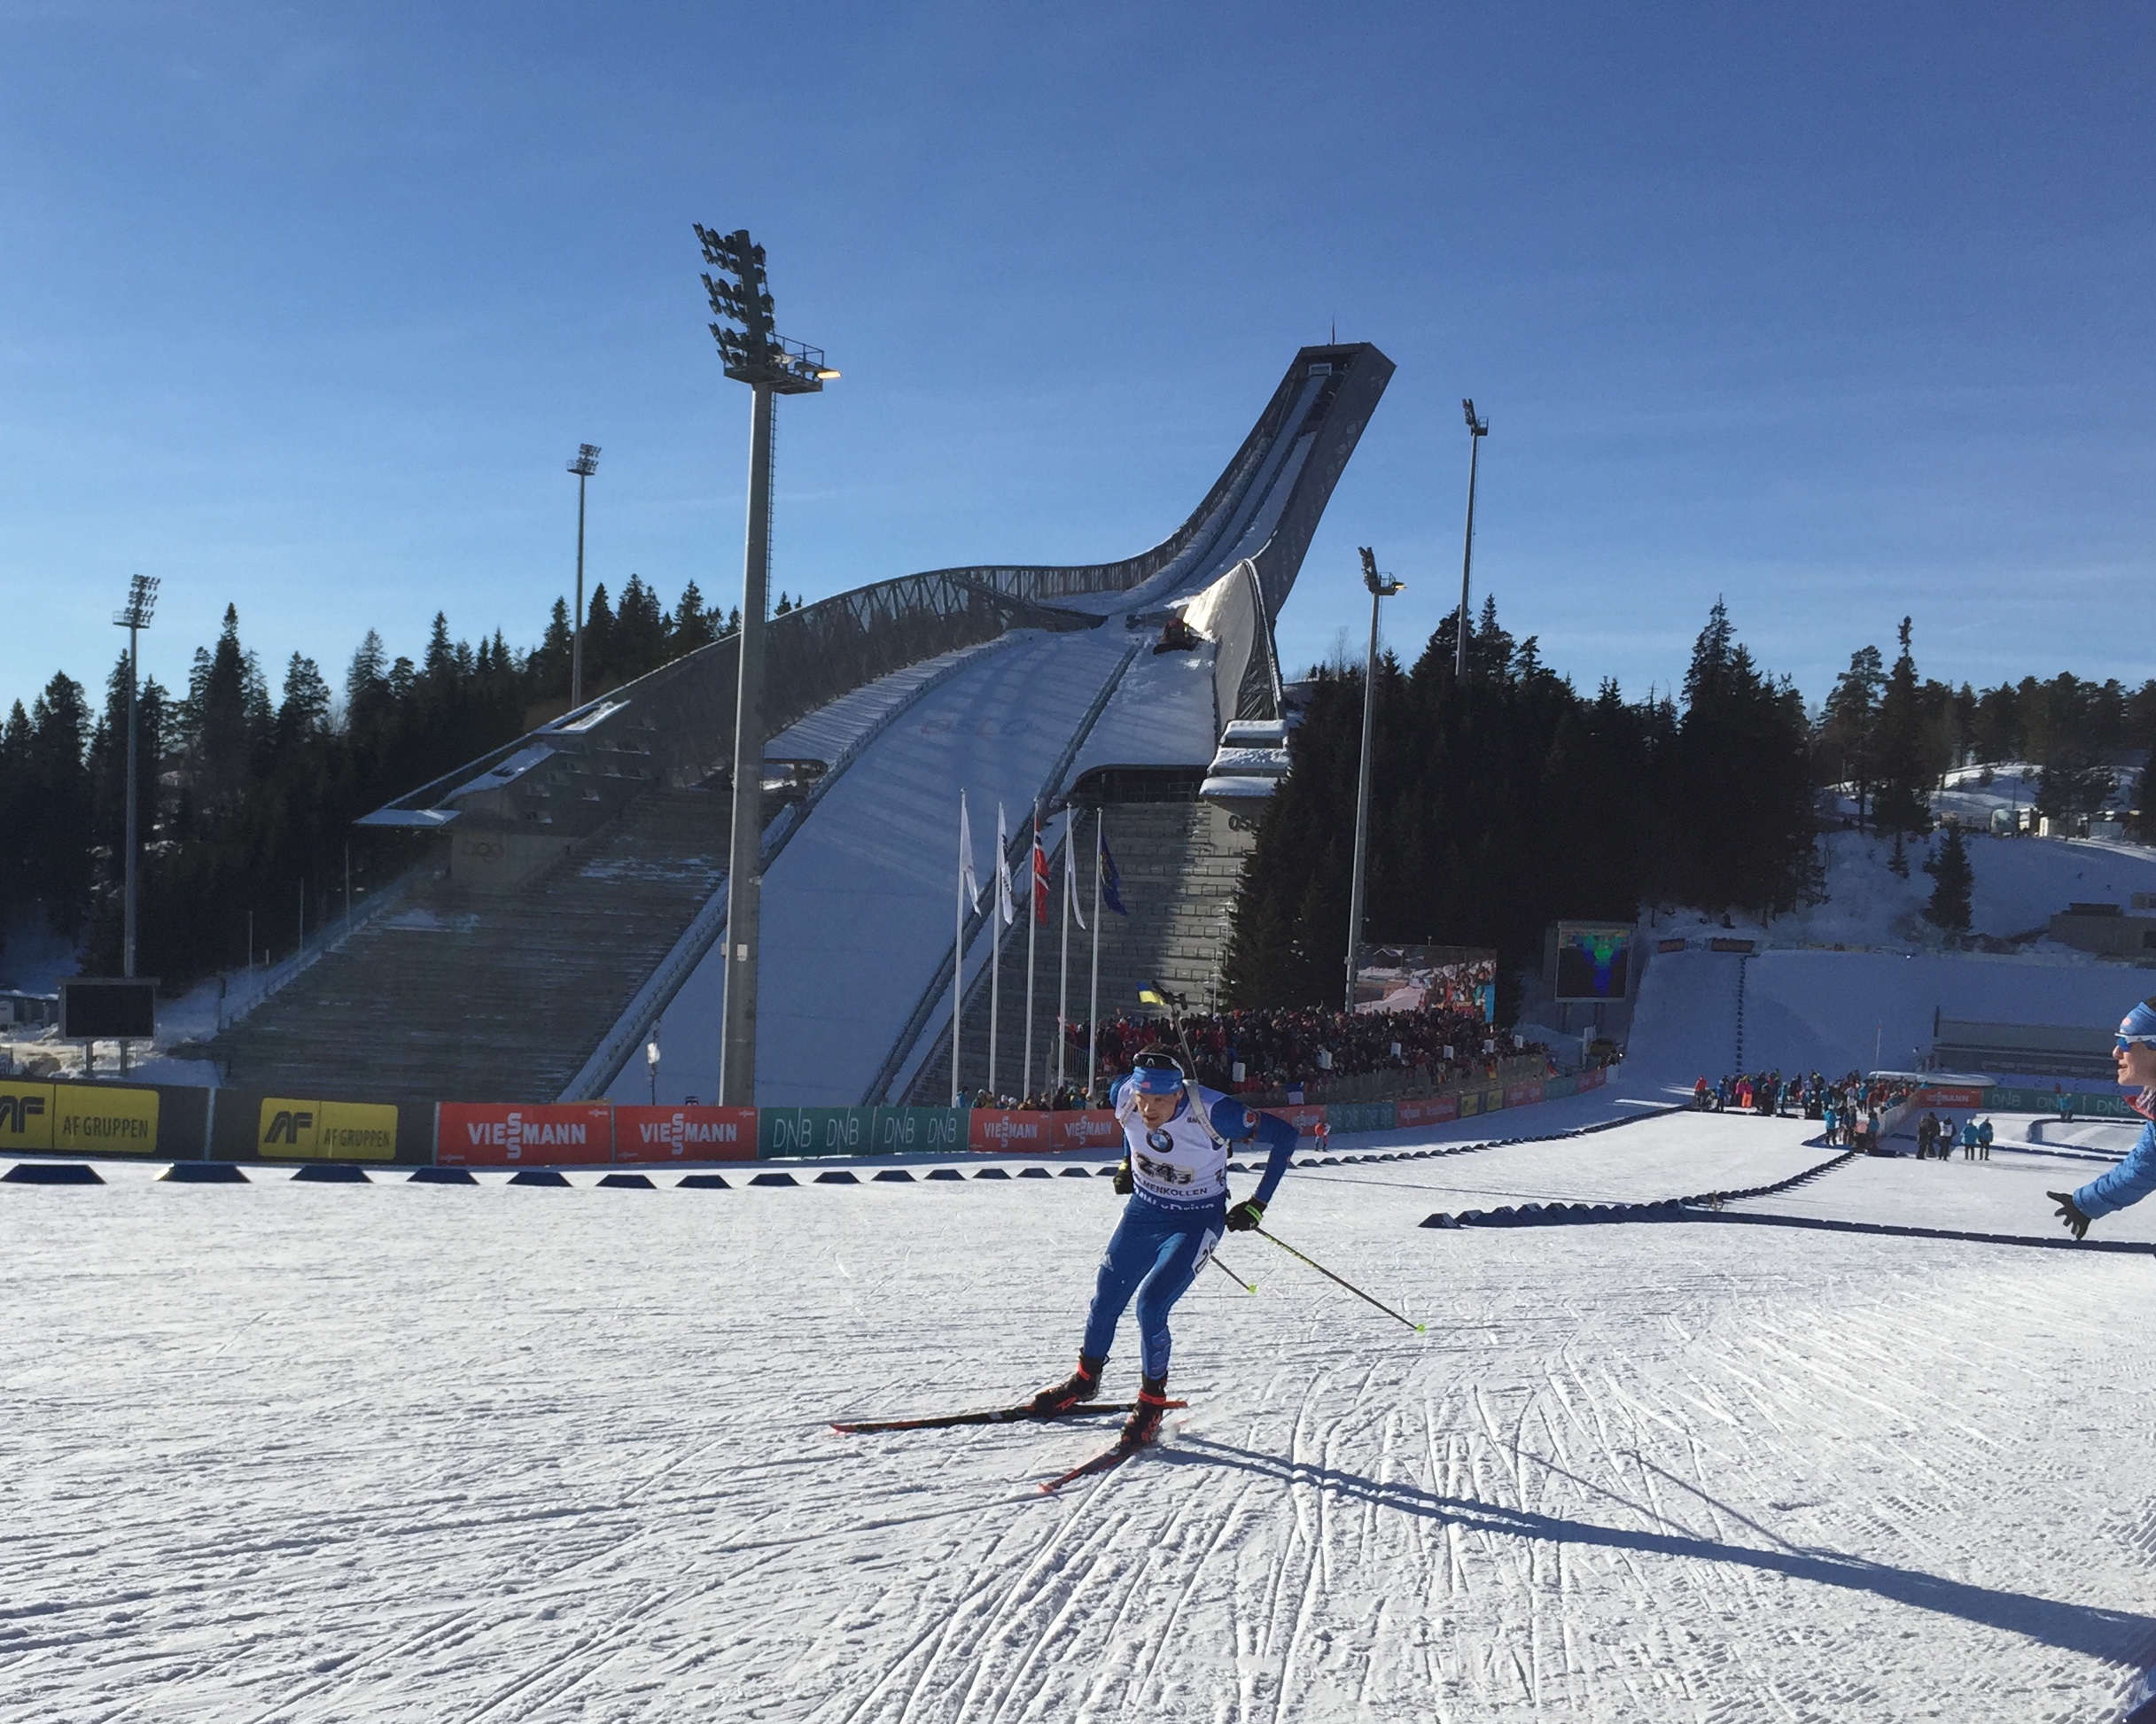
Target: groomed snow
x,y
308,1452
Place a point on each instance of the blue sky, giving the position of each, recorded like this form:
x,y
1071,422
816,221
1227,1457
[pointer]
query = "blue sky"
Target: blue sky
x,y
1836,312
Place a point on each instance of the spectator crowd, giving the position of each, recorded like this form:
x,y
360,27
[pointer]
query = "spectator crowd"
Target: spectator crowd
x,y
1280,1050
1852,1109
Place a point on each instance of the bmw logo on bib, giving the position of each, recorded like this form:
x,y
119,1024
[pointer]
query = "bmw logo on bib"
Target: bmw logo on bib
x,y
1158,1141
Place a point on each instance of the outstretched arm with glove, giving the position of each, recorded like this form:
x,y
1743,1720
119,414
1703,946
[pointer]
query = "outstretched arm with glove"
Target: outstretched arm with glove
x,y
1232,1121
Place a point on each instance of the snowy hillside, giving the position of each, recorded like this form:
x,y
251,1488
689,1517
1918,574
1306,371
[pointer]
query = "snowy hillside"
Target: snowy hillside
x,y
2021,883
408,1452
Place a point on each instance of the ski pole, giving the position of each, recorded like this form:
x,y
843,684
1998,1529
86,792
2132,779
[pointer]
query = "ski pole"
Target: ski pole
x,y
1350,1285
1248,1286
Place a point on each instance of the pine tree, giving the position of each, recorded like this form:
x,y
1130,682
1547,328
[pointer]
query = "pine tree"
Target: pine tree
x,y
1849,722
1904,803
1953,883
693,625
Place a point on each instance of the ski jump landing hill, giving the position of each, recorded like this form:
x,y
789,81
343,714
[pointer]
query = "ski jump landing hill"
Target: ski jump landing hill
x,y
577,907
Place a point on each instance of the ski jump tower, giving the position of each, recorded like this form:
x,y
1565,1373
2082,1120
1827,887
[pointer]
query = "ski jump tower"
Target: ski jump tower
x,y
577,906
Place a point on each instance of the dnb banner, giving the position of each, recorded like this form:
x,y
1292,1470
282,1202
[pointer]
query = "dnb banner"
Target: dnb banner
x,y
1594,961
1411,978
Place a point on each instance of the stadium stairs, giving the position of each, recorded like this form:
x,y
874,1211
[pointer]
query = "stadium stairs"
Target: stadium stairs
x,y
1179,864
484,997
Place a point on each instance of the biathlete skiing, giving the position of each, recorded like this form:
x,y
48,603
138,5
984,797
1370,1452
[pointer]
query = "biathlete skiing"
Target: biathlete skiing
x,y
2134,1052
1176,1134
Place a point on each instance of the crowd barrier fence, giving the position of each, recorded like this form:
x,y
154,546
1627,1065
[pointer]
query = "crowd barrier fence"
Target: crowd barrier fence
x,y
176,1122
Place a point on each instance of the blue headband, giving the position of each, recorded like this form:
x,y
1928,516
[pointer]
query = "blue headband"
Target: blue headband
x,y
2139,1024
1158,1080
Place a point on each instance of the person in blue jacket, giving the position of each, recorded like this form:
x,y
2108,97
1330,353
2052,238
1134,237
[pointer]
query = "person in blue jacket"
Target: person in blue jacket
x,y
1175,1135
2134,1051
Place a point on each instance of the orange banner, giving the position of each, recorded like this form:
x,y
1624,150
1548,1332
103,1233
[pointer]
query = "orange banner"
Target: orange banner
x,y
1097,1128
493,1134
644,1134
1008,1132
1436,1110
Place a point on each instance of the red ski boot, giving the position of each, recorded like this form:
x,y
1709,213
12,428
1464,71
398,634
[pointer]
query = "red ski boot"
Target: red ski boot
x,y
1082,1385
1142,1428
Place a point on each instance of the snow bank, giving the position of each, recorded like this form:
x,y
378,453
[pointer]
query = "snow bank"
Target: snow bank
x,y
1835,1012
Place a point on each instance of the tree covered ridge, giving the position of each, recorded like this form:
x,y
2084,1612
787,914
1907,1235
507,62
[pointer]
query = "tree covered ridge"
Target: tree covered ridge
x,y
1509,801
1504,800
246,798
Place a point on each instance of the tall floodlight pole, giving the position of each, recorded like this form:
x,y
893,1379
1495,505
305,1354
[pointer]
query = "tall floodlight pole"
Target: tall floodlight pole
x,y
1382,586
134,617
1477,430
755,354
584,466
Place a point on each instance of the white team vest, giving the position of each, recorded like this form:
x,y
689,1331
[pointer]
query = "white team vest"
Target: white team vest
x,y
1181,1162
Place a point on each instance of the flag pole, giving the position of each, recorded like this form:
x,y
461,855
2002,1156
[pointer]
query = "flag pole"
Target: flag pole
x,y
995,961
958,945
1093,1008
1032,932
1063,978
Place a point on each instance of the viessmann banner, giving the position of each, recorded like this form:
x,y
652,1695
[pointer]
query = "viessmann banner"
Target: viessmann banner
x,y
487,1134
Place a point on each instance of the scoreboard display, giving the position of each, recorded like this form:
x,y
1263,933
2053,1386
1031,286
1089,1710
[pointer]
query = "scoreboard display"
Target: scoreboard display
x,y
1595,960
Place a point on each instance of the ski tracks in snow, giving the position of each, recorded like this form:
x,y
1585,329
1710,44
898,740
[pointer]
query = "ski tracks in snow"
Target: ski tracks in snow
x,y
307,1454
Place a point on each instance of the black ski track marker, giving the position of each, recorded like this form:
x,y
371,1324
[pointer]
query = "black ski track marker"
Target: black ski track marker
x,y
1020,1415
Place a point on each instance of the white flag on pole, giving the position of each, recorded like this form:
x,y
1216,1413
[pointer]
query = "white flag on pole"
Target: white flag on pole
x,y
1070,872
969,882
1007,902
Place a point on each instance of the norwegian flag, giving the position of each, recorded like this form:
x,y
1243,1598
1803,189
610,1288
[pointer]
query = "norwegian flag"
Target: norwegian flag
x,y
1040,879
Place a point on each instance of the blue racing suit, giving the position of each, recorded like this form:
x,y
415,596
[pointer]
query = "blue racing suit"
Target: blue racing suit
x,y
2129,1181
1177,1211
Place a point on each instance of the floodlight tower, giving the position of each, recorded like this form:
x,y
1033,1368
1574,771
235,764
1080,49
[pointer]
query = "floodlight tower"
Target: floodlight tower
x,y
1477,430
1382,586
133,617
584,464
755,354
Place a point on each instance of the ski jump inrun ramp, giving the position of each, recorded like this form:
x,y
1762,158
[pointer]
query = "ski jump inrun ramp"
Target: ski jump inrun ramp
x,y
583,908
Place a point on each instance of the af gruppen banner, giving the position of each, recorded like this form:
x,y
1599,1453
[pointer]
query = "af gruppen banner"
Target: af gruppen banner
x,y
644,1134
493,1134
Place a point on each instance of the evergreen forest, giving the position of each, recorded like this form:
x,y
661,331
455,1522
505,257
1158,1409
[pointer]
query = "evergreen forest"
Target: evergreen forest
x,y
1506,800
1501,801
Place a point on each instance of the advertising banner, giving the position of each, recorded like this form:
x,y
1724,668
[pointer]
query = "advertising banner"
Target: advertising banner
x,y
26,1116
94,1118
1431,1110
326,1131
1305,1120
1590,1080
493,1134
687,1133
1008,1131
1969,1095
1359,1116
1523,1095
911,1131
790,1131
1095,1128
2061,1102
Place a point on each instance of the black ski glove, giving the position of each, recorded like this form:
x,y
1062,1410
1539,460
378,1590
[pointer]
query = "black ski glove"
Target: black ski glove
x,y
1123,1179
1245,1216
2070,1213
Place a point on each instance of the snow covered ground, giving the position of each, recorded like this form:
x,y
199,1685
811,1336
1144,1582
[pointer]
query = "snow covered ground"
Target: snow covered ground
x,y
305,1452
2021,883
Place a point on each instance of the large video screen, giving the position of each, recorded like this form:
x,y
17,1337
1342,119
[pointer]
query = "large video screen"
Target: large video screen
x,y
1595,960
1414,978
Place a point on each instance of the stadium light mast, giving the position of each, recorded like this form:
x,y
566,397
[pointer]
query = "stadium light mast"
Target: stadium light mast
x,y
134,617
1477,430
584,464
755,354
1382,586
